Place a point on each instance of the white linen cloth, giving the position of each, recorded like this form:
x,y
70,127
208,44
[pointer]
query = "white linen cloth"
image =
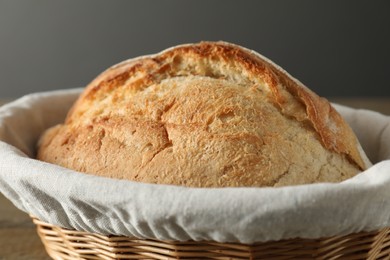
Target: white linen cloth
x,y
107,206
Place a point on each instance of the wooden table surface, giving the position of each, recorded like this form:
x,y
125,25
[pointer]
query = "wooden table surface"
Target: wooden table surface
x,y
18,237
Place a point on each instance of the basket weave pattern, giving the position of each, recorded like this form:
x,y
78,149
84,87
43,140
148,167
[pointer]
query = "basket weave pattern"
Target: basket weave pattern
x,y
70,244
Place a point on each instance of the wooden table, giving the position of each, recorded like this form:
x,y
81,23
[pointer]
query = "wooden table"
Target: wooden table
x,y
18,236
19,240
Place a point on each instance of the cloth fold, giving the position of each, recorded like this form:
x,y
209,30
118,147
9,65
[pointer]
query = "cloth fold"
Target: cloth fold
x,y
107,206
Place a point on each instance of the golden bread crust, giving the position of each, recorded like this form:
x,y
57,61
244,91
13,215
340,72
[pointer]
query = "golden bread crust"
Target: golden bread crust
x,y
211,114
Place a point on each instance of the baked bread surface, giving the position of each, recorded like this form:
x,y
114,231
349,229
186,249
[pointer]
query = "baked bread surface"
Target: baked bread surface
x,y
211,114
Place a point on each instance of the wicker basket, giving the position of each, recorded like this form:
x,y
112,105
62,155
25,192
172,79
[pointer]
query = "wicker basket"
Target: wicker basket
x,y
70,244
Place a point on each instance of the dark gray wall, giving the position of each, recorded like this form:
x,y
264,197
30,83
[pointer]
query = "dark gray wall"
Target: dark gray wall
x,y
337,48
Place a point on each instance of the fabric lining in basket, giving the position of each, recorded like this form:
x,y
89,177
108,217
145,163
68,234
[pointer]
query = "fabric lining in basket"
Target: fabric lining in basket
x,y
347,220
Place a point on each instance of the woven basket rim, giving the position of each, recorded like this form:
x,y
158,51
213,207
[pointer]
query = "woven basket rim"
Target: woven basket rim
x,y
61,243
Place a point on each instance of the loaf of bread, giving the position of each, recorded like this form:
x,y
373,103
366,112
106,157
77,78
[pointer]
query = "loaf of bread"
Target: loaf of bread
x,y
211,114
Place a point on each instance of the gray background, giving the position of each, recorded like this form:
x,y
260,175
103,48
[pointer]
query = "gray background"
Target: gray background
x,y
337,48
